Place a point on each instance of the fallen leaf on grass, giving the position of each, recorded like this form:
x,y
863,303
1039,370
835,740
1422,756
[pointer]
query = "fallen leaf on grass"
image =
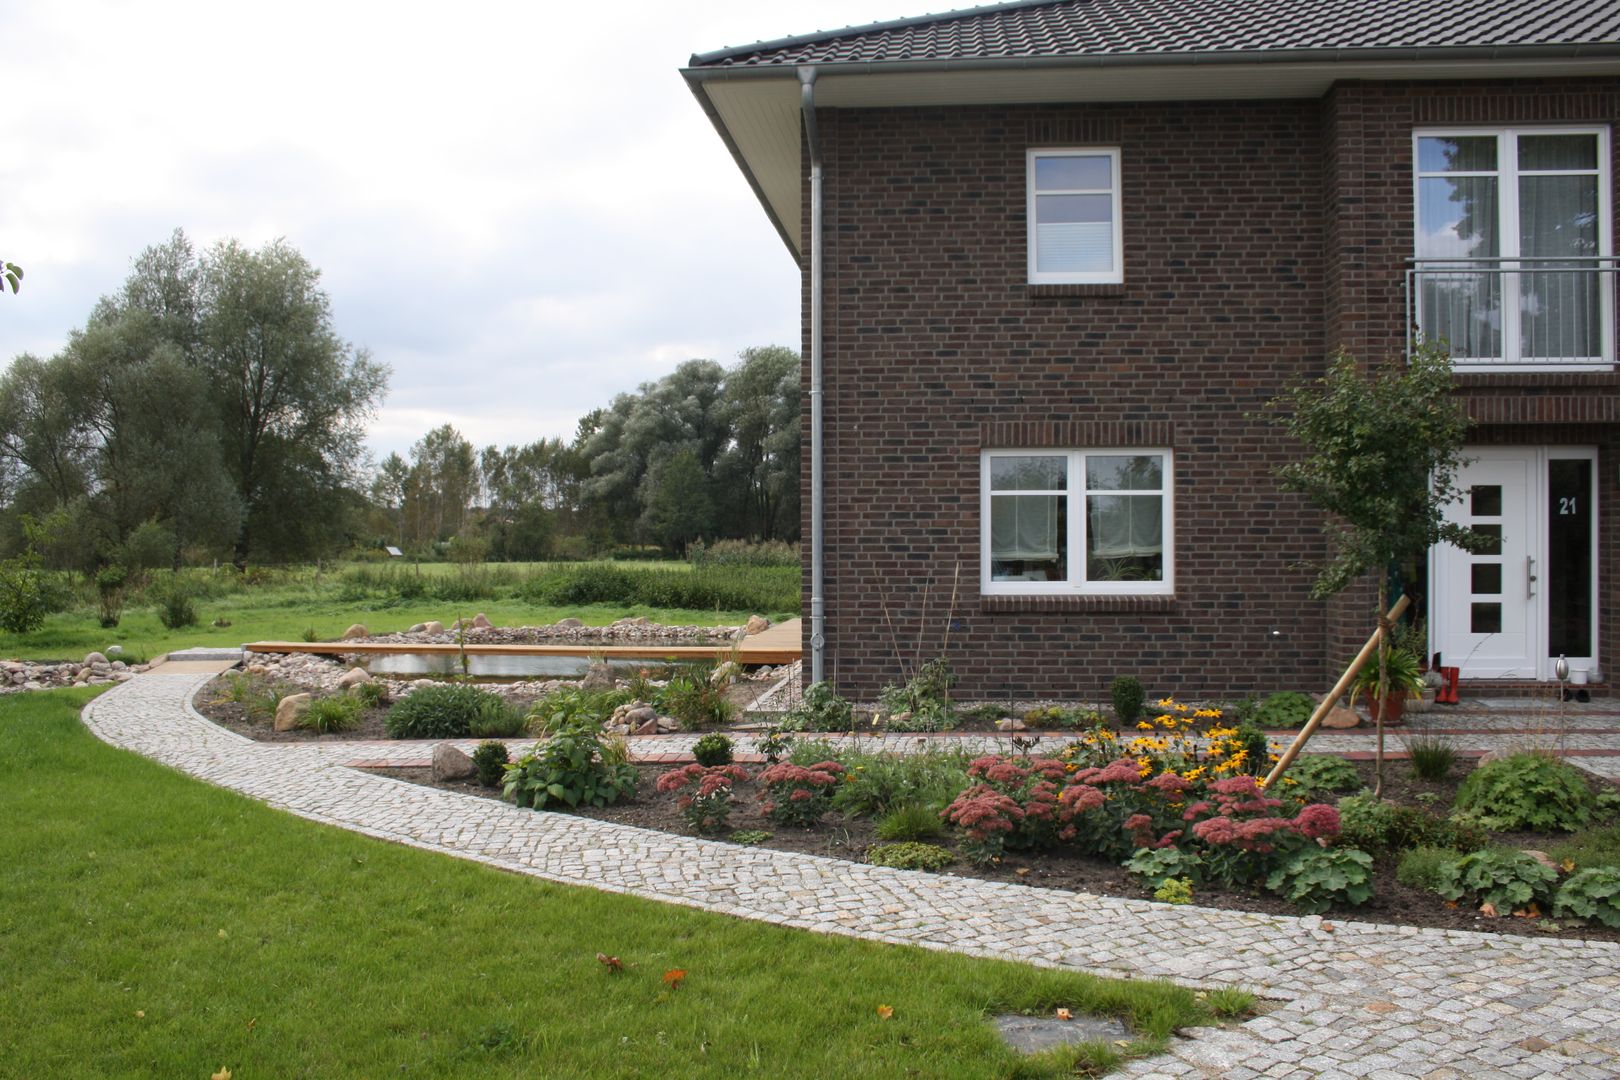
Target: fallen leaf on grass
x,y
253,1023
885,1011
674,977
223,1074
612,963
223,934
140,1014
1065,1014
1567,866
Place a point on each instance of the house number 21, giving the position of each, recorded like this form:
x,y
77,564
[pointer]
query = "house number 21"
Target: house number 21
x,y
1566,506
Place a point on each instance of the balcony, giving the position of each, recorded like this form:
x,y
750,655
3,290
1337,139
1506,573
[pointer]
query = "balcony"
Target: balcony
x,y
1515,314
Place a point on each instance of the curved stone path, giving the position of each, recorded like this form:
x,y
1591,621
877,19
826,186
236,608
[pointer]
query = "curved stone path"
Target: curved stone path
x,y
1356,1000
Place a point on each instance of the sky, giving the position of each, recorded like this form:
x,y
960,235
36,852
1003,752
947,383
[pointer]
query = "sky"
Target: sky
x,y
520,208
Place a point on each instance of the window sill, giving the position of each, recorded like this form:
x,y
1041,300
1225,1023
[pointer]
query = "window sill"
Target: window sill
x,y
1091,602
1478,378
1059,292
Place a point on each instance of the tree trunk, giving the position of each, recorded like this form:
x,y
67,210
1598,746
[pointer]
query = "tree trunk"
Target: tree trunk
x,y
1383,685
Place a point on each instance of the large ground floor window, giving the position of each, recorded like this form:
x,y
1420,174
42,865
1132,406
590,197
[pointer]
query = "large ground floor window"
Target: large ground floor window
x,y
1065,521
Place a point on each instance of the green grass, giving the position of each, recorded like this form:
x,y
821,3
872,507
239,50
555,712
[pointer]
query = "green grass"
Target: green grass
x,y
154,926
1590,847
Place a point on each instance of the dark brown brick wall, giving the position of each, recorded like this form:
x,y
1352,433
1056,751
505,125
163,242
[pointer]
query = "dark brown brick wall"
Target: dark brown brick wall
x,y
1258,236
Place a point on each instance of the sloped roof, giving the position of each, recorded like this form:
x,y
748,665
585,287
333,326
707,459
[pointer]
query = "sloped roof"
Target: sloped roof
x,y
1122,28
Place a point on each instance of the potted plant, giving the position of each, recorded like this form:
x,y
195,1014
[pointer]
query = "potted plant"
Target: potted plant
x,y
1405,681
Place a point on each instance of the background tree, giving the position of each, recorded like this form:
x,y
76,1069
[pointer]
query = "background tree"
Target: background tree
x,y
441,488
1382,450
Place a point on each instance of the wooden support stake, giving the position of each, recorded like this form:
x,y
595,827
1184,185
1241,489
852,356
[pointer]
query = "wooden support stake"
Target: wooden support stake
x,y
1333,696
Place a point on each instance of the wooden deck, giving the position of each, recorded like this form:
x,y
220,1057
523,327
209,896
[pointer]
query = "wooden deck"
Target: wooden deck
x,y
778,645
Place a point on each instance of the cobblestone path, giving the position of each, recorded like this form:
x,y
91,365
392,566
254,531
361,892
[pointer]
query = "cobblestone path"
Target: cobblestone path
x,y
1355,1000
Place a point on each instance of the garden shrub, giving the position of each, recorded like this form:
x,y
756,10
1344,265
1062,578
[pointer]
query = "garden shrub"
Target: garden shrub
x,y
24,597
443,711
819,709
372,694
1432,757
574,708
1158,865
1527,790
1379,826
706,807
1284,709
808,752
799,795
1501,877
1322,774
743,553
1128,697
1316,879
505,722
174,598
1591,894
875,783
491,759
1255,750
572,768
910,856
1243,836
703,588
924,703
1174,891
695,702
331,714
110,582
1421,867
713,749
1013,805
909,821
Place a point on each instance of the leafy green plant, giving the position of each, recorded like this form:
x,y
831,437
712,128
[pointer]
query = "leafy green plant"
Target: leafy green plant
x,y
713,749
326,715
1432,756
371,694
1174,891
1317,878
446,711
1373,825
1315,775
924,703
491,759
506,722
810,751
694,701
1158,865
309,633
909,821
1591,894
574,708
110,581
819,709
570,769
1421,867
176,607
1402,675
1284,709
1526,790
749,837
910,856
876,783
1501,877
24,598
1128,697
1230,1002
705,793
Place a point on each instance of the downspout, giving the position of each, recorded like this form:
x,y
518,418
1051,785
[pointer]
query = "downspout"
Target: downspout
x,y
818,613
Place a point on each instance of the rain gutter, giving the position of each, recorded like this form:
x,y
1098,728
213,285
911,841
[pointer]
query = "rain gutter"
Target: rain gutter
x,y
818,613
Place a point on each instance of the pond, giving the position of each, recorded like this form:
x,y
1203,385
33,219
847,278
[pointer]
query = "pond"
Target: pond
x,y
494,666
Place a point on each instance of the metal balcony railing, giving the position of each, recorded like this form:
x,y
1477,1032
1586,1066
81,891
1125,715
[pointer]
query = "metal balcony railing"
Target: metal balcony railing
x,y
1518,314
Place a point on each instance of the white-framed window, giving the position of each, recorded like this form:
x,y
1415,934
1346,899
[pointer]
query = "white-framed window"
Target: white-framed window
x,y
1074,217
1513,230
1057,522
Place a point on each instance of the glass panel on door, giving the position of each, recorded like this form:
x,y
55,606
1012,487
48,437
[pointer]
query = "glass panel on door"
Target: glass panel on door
x,y
1569,557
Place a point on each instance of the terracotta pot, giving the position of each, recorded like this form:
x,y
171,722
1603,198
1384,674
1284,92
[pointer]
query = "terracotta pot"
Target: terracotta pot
x,y
1394,709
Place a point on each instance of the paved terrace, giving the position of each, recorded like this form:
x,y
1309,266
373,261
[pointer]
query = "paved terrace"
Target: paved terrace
x,y
1354,999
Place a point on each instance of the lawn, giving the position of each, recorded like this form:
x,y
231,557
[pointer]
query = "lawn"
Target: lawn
x,y
151,925
288,605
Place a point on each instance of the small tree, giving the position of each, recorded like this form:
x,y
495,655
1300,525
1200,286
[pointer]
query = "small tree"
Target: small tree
x,y
1382,450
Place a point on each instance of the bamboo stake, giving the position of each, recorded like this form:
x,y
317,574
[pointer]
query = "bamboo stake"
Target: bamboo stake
x,y
1333,695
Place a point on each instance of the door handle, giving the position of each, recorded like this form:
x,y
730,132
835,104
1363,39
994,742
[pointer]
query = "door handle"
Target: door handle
x,y
1530,577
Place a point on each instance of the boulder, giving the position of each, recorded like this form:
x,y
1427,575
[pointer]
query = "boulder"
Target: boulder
x,y
481,622
290,710
667,724
597,677
83,676
1341,717
417,628
354,677
569,624
258,669
1010,723
451,764
433,626
1543,858
355,632
649,727
91,659
756,624
726,674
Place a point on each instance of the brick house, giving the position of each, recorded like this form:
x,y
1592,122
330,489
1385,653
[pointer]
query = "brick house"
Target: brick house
x,y
1055,257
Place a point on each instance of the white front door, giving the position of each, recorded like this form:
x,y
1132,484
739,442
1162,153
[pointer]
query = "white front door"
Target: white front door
x,y
1510,611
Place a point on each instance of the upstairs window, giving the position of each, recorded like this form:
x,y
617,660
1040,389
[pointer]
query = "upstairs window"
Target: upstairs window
x,y
1074,217
1067,521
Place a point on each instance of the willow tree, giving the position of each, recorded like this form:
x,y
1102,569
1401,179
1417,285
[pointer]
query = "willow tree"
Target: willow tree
x,y
1382,448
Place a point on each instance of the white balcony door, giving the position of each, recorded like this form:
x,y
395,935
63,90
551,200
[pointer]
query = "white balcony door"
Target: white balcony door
x,y
1511,225
1510,611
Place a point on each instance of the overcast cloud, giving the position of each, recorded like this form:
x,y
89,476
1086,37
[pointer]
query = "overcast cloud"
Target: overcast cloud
x,y
519,207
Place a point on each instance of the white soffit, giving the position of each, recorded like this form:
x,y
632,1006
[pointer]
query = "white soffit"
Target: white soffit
x,y
761,110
